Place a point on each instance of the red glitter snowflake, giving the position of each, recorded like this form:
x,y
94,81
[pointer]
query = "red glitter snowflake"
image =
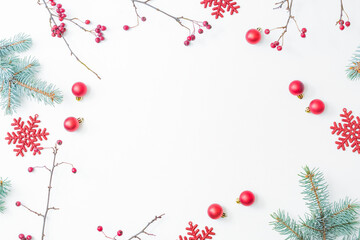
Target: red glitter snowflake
x,y
27,136
220,6
349,131
195,233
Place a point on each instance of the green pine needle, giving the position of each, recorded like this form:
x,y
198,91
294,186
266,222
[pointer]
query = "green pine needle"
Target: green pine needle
x,y
5,186
325,220
18,77
353,69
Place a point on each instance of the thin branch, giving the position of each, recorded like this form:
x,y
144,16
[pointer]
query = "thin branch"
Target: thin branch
x,y
143,231
67,44
39,214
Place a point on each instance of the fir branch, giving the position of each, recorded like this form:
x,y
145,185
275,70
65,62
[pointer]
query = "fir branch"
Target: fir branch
x,y
19,43
5,186
325,221
286,226
353,69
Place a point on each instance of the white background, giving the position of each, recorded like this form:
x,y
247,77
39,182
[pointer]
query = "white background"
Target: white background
x,y
171,129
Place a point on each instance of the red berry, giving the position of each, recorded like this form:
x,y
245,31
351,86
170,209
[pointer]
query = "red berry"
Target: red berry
x,y
103,28
342,27
99,34
272,45
62,24
58,10
58,35
61,29
200,31
30,169
347,23
126,27
208,27
53,34
61,19
303,35
120,233
192,37
97,30
63,16
304,30
279,48
276,43
21,236
102,38
186,43
53,4
98,26
29,237
87,21
267,31
59,142
100,228
189,38
59,5
74,170
97,40
341,22
62,10
18,204
205,23
143,19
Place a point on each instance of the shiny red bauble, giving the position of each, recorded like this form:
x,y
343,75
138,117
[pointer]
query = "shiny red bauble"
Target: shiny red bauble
x,y
215,211
253,36
316,106
246,198
71,124
296,88
79,89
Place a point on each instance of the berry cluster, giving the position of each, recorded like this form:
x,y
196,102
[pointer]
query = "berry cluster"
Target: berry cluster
x,y
192,37
118,234
191,25
58,31
22,237
342,24
99,33
277,45
59,10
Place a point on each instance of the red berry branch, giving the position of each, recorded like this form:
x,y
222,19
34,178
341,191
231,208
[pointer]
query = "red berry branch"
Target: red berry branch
x,y
56,10
191,25
278,44
136,236
51,170
341,21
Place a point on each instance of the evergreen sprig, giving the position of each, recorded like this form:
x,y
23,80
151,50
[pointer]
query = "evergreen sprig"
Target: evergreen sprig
x,y
18,76
325,221
353,69
5,186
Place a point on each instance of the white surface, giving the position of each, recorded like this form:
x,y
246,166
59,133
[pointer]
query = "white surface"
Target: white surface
x,y
171,129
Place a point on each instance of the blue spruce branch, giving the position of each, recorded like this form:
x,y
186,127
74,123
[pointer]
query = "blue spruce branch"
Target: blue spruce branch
x,y
18,76
353,69
325,221
5,186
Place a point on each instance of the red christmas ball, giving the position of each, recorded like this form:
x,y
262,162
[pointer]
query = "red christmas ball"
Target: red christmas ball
x,y
316,106
71,124
253,36
79,89
246,198
296,88
215,211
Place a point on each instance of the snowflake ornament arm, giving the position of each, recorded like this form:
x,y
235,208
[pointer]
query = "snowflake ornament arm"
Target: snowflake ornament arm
x,y
348,132
220,6
195,234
